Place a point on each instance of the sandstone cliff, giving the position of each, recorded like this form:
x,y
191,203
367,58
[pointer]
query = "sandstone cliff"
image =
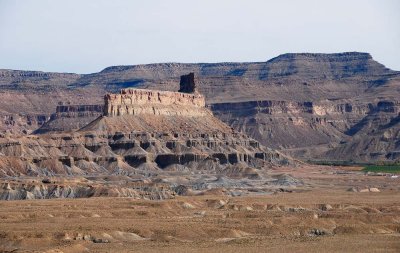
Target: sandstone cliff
x,y
139,101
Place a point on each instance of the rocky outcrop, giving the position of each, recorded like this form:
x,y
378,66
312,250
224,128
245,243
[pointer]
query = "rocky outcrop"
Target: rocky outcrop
x,y
376,137
187,84
19,124
70,117
139,101
56,188
78,110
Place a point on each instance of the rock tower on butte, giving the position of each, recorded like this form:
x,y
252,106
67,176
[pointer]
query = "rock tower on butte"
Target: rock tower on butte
x,y
147,144
186,102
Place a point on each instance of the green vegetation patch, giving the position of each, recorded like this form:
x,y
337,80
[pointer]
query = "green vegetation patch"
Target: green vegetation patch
x,y
383,168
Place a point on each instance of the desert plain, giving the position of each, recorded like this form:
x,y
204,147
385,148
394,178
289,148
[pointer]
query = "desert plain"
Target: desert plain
x,y
335,209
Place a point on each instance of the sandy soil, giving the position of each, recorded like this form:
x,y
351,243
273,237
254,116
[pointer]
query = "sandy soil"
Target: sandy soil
x,y
321,216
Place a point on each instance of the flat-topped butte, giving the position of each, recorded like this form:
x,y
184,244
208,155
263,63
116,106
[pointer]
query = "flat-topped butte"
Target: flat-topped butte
x,y
141,101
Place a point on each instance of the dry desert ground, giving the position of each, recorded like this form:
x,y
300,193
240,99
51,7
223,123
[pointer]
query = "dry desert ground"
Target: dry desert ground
x,y
336,210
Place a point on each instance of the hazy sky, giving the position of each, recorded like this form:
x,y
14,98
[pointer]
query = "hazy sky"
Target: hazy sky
x,y
86,36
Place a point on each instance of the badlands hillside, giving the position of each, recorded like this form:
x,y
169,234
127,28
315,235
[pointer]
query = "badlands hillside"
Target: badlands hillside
x,y
341,106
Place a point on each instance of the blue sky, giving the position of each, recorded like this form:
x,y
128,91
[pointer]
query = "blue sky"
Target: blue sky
x,y
85,36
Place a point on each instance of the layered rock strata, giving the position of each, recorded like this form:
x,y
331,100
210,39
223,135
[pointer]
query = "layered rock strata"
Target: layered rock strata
x,y
140,101
148,165
70,117
150,138
333,83
335,130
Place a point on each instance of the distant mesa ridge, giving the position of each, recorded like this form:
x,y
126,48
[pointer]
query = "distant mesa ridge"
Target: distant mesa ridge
x,y
325,55
359,55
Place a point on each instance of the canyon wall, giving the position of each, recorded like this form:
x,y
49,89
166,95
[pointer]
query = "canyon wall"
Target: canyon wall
x,y
330,130
322,111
